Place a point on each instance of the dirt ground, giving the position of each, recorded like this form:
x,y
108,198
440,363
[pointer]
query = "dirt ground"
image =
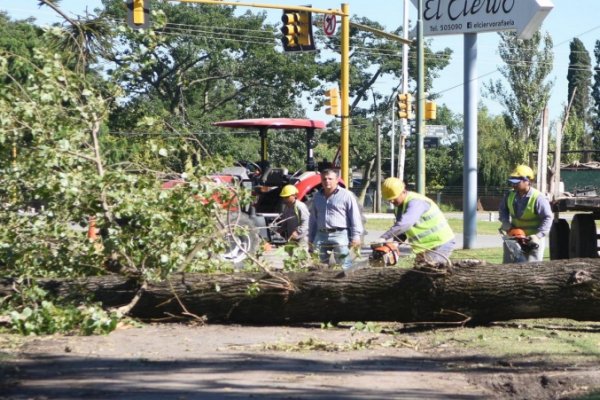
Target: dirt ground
x,y
169,361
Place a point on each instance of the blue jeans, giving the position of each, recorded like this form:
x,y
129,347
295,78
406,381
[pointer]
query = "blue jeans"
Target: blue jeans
x,y
336,242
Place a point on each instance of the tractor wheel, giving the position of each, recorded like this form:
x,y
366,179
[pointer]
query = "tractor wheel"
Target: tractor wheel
x,y
559,239
583,241
242,239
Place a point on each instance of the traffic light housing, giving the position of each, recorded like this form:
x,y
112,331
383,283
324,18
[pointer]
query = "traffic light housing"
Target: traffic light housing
x,y
404,103
296,31
332,102
430,110
138,14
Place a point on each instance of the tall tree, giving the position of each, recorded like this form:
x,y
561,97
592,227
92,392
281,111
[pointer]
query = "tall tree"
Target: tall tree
x,y
498,151
527,66
203,64
17,39
574,138
595,113
579,77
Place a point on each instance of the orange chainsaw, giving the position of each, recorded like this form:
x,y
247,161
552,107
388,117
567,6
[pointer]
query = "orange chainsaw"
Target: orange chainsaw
x,y
384,253
518,243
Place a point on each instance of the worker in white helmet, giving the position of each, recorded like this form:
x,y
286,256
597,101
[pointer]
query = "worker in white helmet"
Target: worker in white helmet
x,y
421,220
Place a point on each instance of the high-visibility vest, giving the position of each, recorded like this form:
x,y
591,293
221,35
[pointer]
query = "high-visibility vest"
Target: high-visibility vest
x,y
431,230
529,221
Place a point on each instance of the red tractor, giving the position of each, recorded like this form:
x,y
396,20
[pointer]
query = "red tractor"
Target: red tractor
x,y
266,182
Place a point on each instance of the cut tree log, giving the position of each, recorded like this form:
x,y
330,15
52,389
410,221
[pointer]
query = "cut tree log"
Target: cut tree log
x,y
466,291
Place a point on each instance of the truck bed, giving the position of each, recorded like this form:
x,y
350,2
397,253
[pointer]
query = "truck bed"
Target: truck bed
x,y
577,203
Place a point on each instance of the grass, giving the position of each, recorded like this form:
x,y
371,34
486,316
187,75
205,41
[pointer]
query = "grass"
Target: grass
x,y
492,256
553,340
483,227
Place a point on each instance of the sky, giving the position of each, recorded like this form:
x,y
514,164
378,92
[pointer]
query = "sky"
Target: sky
x,y
568,19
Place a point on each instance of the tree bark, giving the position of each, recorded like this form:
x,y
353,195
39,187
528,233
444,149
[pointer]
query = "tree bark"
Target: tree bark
x,y
366,182
476,293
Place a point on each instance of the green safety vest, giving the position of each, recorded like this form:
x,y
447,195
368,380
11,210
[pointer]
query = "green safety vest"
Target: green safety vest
x,y
431,230
529,221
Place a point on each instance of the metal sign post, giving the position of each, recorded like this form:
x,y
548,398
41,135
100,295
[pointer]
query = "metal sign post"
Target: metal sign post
x,y
450,17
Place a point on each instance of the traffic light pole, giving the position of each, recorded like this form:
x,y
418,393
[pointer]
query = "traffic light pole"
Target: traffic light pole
x,y
345,86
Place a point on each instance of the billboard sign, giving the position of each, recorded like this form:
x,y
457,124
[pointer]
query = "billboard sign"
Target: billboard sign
x,y
451,17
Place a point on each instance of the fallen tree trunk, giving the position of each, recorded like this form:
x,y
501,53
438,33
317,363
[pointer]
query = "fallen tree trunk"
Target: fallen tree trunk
x,y
464,292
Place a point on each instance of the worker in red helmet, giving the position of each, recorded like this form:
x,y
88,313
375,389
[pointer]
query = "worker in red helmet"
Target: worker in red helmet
x,y
526,208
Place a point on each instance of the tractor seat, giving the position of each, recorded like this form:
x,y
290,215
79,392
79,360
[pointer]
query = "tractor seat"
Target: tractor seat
x,y
275,177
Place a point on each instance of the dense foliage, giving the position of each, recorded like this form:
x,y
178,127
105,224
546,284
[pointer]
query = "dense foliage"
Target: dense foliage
x,y
579,77
595,107
95,117
56,180
528,64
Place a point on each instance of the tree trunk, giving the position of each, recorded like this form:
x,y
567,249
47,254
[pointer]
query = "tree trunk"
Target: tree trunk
x,y
477,293
366,182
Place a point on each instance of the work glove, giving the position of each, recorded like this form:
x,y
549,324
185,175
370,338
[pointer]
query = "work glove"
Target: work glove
x,y
535,239
506,226
384,240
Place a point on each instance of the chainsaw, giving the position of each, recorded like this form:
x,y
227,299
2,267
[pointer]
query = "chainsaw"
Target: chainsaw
x,y
518,243
384,254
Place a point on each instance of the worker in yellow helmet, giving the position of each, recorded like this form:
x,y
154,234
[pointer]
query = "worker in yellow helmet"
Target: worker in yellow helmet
x,y
421,220
526,208
294,219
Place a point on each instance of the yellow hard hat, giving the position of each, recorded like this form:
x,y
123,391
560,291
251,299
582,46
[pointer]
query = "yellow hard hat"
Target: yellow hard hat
x,y
288,190
392,188
521,171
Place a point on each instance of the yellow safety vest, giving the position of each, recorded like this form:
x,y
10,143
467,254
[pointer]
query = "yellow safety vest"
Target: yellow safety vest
x,y
431,230
529,221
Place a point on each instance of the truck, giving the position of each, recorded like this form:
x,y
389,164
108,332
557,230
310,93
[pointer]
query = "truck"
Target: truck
x,y
579,238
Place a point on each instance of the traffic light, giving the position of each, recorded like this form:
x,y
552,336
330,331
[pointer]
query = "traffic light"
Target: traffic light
x,y
297,31
404,103
430,110
138,14
332,102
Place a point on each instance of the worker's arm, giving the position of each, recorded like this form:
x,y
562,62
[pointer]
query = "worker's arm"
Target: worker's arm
x,y
504,215
405,221
304,216
543,209
312,223
354,220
